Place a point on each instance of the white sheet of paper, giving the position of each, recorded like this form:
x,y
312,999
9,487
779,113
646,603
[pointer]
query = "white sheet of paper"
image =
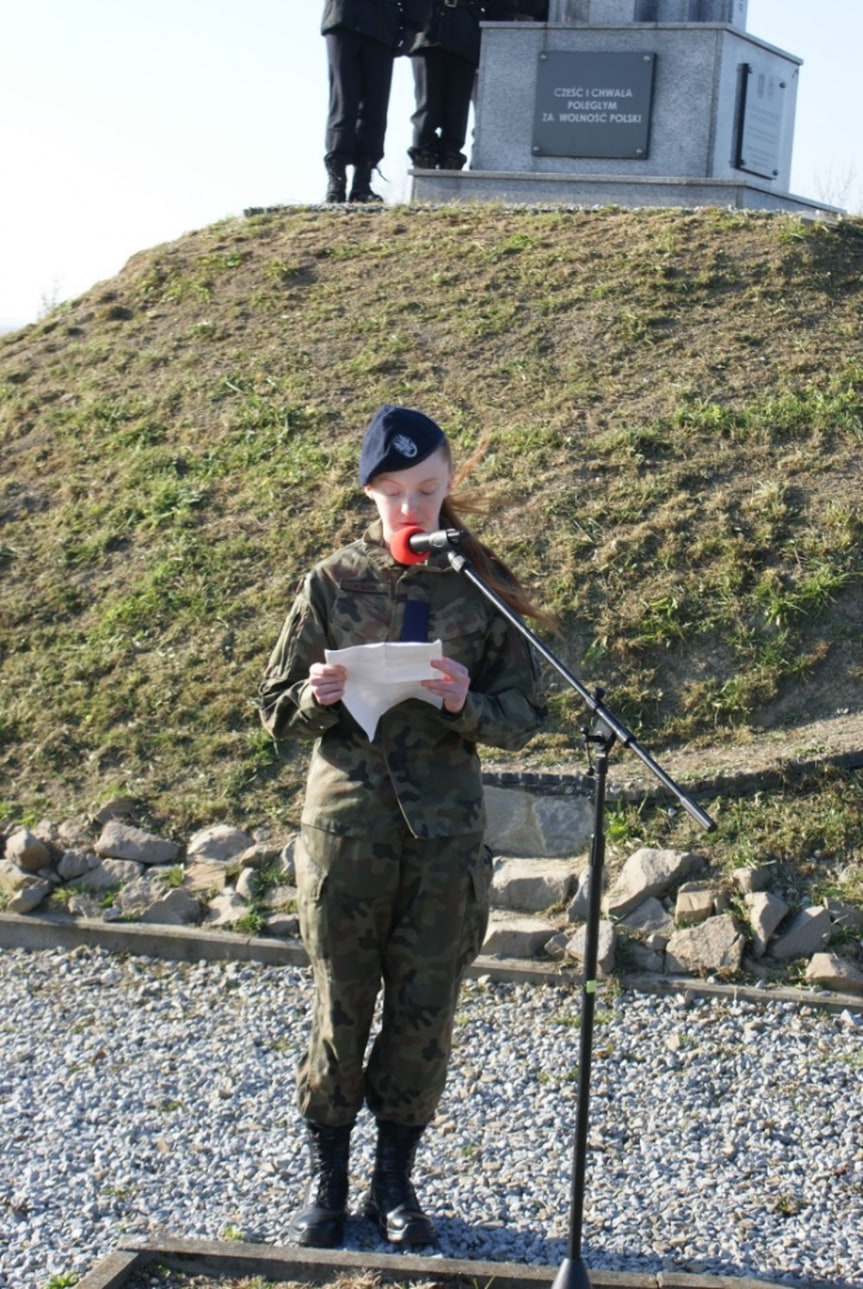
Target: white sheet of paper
x,y
381,675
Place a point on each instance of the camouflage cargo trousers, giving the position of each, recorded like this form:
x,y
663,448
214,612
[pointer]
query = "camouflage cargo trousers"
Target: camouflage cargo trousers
x,y
406,913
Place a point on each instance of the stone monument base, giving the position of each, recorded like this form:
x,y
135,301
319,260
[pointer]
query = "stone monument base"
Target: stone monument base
x,y
533,189
630,103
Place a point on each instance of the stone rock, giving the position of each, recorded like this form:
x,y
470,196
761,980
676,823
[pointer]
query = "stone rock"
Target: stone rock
x,y
74,834
516,937
283,925
273,855
122,841
648,872
226,909
27,850
806,935
280,899
75,863
521,824
46,830
219,842
766,911
83,906
833,972
108,874
247,883
288,862
844,916
751,879
531,885
694,904
577,908
564,825
606,946
176,908
658,940
11,876
137,896
205,877
29,895
118,808
164,871
648,918
714,947
640,957
555,948
260,855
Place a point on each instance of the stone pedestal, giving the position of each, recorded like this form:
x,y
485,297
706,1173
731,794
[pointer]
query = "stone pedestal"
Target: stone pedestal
x,y
630,103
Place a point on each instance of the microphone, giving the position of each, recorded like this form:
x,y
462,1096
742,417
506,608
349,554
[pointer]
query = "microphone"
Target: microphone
x,y
412,545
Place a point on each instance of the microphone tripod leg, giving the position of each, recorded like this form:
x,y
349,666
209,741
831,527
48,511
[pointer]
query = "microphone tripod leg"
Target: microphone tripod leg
x,y
573,1273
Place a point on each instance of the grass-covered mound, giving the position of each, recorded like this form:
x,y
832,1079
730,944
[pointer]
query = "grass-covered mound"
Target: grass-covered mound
x,y
672,402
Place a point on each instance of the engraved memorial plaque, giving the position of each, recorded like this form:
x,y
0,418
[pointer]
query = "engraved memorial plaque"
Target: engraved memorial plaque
x,y
593,105
761,102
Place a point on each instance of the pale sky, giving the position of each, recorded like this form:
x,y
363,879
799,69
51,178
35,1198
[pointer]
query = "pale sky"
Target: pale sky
x,y
126,125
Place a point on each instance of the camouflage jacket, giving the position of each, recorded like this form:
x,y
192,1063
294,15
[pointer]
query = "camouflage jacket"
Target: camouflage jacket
x,y
422,766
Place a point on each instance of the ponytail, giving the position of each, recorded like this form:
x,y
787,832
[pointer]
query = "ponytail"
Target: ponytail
x,y
489,567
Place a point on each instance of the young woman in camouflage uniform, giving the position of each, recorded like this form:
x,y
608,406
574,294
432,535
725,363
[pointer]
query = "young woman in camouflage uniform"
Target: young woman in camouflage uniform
x,y
392,874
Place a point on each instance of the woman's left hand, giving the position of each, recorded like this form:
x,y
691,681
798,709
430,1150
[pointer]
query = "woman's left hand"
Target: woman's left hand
x,y
453,684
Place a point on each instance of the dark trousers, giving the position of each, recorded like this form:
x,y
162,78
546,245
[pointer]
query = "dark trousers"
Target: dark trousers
x,y
361,72
443,86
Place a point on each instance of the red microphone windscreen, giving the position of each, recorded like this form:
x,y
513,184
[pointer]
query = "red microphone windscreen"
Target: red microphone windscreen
x,y
400,546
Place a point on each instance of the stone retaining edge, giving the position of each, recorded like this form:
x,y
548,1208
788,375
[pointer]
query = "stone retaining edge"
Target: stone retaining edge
x,y
276,1263
784,772
192,944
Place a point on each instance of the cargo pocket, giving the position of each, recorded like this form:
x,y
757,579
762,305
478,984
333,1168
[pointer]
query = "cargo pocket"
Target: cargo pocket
x,y
343,882
311,879
478,907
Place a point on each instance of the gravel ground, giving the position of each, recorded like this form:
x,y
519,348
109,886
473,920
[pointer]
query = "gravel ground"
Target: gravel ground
x,y
139,1097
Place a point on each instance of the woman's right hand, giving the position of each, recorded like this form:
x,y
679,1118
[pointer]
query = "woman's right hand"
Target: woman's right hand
x,y
327,683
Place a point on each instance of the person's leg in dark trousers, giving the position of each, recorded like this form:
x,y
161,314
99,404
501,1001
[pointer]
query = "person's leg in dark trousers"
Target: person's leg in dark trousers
x,y
429,91
360,78
376,71
345,81
460,77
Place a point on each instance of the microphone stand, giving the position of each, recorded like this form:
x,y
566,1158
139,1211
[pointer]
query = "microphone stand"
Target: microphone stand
x,y
605,731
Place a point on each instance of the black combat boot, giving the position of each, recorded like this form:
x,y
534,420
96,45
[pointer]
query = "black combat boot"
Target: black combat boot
x,y
392,1201
361,188
453,161
321,1220
337,180
423,158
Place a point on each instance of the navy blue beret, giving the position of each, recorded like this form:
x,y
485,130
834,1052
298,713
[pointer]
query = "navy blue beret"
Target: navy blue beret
x,y
396,438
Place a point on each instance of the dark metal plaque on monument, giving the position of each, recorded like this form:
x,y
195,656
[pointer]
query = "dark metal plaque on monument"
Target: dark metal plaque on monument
x,y
593,105
761,106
